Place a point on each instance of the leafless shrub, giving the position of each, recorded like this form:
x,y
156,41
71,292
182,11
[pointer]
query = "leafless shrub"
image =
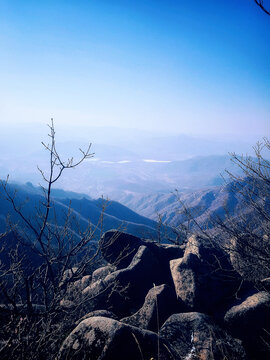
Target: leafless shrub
x,y
245,235
33,321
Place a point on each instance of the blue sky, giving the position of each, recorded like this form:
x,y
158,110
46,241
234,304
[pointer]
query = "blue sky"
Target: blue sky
x,y
195,67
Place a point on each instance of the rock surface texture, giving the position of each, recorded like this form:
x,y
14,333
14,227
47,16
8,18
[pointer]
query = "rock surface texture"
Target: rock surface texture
x,y
195,336
174,302
250,321
104,339
204,278
159,304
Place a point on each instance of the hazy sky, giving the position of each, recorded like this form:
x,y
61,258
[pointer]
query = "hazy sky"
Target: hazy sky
x,y
200,67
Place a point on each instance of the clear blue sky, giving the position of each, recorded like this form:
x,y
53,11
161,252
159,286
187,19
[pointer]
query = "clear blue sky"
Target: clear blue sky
x,y
200,67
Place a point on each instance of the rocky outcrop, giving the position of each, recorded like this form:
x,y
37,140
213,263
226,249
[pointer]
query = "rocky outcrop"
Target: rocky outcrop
x,y
195,336
101,273
74,290
82,283
124,290
107,339
119,248
204,278
169,298
103,313
171,251
159,304
250,321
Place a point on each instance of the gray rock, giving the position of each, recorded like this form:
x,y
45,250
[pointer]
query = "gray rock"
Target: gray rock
x,y
119,248
94,296
250,321
101,273
103,313
172,251
100,338
82,283
195,336
204,278
68,275
67,304
74,291
133,283
249,313
159,304
123,291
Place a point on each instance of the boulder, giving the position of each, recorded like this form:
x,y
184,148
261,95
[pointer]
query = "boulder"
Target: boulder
x,y
101,273
204,278
133,283
67,304
195,336
100,338
159,304
82,283
68,275
74,290
123,291
171,252
94,296
119,248
250,321
103,313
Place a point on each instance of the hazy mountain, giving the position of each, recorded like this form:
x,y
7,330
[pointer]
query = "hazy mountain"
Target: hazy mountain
x,y
136,168
141,142
119,179
203,205
125,159
83,211
114,175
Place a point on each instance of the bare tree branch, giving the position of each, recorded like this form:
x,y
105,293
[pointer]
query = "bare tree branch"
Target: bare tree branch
x,y
261,5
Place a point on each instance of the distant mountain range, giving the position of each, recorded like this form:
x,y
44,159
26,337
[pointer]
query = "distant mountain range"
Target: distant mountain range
x,y
120,179
84,211
201,204
137,214
137,169
204,206
125,160
117,178
124,141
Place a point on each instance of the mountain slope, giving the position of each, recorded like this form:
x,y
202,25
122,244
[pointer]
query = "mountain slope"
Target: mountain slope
x,y
82,212
202,205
